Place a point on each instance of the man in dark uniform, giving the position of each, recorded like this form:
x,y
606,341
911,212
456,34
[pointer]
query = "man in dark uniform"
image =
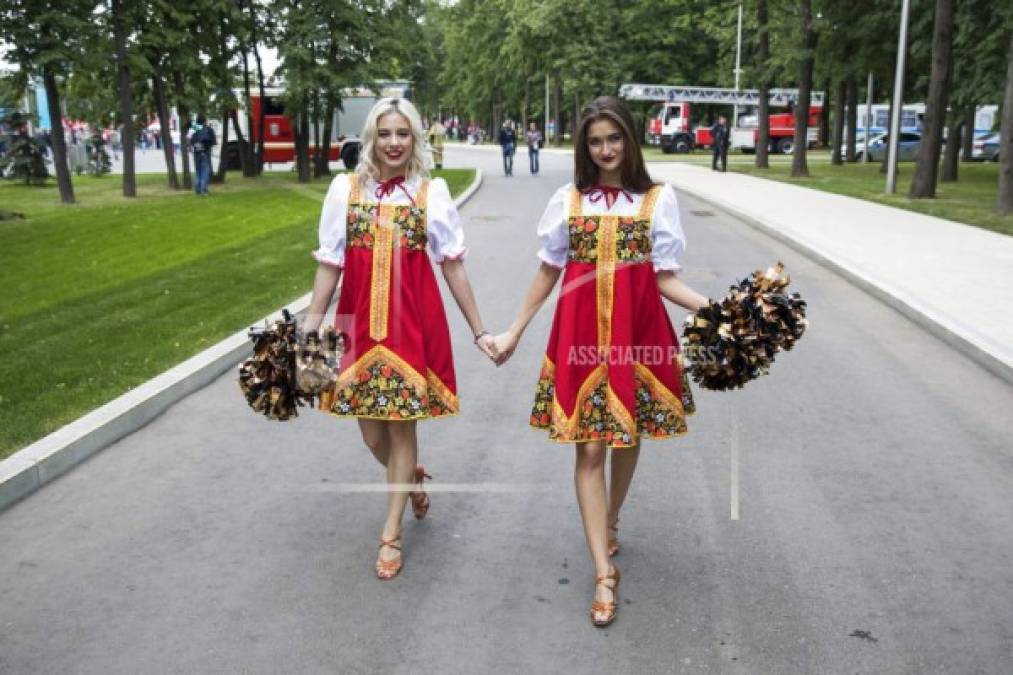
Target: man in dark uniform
x,y
719,143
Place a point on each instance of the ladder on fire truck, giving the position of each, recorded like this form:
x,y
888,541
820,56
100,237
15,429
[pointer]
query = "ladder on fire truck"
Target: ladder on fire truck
x,y
660,92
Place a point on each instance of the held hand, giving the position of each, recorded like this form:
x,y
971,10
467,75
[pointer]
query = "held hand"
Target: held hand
x,y
486,344
503,347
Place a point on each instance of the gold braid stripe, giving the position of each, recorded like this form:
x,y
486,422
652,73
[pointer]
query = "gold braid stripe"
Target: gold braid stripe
x,y
383,251
606,277
441,391
354,190
657,389
380,354
594,378
647,205
620,413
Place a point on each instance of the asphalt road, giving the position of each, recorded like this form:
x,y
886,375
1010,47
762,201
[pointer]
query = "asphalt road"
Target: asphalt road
x,y
873,490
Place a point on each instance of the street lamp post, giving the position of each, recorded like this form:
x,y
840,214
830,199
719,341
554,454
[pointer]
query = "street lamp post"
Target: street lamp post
x,y
868,118
738,65
898,93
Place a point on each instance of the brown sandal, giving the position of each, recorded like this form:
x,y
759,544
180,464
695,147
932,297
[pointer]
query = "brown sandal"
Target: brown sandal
x,y
613,541
609,609
388,569
420,500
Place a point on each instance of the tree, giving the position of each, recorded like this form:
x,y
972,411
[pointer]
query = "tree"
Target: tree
x,y
1004,202
24,157
762,63
799,168
125,91
45,40
927,165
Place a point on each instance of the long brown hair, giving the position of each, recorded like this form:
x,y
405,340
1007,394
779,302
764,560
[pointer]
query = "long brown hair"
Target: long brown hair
x,y
634,174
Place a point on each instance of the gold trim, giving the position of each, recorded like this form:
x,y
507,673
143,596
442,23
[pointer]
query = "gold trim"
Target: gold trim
x,y
441,390
647,205
422,198
605,277
570,423
354,189
619,411
576,204
379,353
383,250
658,390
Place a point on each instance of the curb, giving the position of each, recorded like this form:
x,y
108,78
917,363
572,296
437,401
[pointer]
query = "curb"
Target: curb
x,y
940,327
30,468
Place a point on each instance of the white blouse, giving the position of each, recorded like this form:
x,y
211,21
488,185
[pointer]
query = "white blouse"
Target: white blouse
x,y
667,239
443,223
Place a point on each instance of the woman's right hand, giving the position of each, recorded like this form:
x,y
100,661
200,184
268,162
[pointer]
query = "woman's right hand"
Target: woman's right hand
x,y
503,347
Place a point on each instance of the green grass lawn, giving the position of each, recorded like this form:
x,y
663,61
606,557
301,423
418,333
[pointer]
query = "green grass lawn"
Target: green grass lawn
x,y
970,200
103,295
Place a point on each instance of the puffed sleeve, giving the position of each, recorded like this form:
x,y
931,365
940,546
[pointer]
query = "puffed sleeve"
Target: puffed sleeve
x,y
668,242
443,224
332,223
553,238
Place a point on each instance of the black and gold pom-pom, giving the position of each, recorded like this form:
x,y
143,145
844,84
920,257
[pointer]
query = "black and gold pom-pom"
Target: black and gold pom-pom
x,y
288,370
735,340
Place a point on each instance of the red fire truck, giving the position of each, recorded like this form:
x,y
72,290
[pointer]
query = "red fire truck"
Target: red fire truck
x,y
279,139
671,127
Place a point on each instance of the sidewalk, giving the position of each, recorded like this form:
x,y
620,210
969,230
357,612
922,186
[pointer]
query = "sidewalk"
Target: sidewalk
x,y
953,279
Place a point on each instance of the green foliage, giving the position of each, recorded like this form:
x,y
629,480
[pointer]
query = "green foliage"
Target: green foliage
x,y
24,157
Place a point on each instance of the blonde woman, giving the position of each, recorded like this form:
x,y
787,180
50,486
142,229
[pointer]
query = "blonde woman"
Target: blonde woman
x,y
375,227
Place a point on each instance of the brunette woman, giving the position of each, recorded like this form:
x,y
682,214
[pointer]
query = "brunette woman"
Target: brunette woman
x,y
611,372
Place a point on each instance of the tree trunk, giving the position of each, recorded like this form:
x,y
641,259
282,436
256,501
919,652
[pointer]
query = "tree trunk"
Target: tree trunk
x,y
967,140
249,165
837,139
302,140
126,95
1004,204
324,152
763,110
315,162
245,156
851,152
260,85
162,109
59,143
219,176
557,112
927,167
184,126
951,152
824,130
799,168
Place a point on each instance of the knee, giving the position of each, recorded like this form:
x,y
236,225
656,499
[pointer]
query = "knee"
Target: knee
x,y
590,456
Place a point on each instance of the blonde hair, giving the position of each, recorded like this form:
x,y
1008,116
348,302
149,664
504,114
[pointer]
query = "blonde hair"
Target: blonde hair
x,y
421,159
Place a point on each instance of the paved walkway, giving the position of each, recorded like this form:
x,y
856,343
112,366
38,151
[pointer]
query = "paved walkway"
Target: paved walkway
x,y
849,512
953,275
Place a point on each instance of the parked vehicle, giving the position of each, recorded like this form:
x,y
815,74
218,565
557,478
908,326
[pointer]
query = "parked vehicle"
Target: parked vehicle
x,y
986,148
907,148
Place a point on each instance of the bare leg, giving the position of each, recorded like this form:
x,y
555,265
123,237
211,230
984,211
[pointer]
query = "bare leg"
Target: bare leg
x,y
376,437
400,469
589,478
624,463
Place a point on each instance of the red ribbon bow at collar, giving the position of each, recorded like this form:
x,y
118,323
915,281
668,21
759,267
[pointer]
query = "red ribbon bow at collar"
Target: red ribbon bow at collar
x,y
610,194
385,188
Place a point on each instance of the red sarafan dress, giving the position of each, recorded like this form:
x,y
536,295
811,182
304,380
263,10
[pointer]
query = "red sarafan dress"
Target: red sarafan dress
x,y
398,363
611,370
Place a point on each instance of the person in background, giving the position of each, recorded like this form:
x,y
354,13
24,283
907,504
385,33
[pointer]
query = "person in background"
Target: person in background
x,y
508,142
535,140
436,135
202,139
719,144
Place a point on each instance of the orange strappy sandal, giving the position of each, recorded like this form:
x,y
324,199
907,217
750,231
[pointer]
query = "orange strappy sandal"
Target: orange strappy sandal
x,y
388,569
607,608
420,500
613,541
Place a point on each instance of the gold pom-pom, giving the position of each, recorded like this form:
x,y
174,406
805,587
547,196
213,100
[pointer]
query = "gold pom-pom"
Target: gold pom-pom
x,y
735,340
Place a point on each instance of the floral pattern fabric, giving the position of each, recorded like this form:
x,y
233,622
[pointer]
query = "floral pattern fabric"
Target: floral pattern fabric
x,y
382,390
633,238
409,222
